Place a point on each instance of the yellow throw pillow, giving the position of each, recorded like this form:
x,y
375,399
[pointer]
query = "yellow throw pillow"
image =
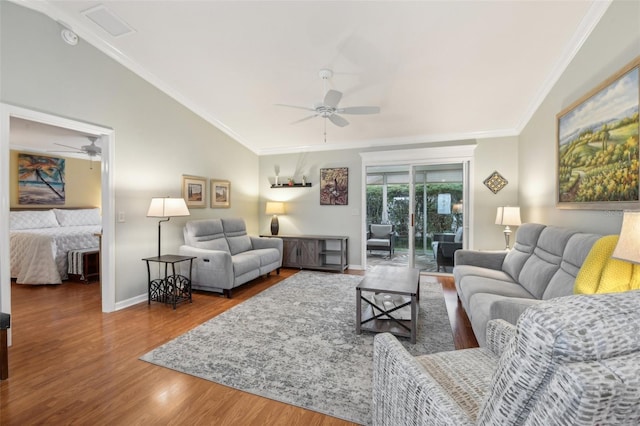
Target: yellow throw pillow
x,y
600,273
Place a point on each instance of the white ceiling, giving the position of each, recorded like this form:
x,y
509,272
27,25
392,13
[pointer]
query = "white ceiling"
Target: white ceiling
x,y
26,135
439,70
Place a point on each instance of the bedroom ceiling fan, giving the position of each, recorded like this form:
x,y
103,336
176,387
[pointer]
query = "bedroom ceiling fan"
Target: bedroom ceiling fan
x,y
329,108
92,150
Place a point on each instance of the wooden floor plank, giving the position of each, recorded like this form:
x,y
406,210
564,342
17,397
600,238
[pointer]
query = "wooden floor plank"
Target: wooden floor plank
x,y
70,363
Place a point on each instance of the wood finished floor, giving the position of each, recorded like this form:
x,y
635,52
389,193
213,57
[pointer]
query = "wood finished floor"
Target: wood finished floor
x,y
72,364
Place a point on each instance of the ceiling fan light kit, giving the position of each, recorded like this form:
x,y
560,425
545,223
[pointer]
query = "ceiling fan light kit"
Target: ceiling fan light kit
x,y
328,108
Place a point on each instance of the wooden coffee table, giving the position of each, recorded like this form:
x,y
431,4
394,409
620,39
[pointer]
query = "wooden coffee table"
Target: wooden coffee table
x,y
390,282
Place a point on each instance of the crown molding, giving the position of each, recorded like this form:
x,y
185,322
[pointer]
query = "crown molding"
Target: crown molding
x,y
586,27
49,9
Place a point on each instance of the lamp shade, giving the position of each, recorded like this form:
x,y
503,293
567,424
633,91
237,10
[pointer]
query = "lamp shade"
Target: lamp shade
x,y
508,216
167,207
628,247
274,207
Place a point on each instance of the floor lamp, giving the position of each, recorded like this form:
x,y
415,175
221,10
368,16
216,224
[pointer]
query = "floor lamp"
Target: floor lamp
x,y
166,207
508,216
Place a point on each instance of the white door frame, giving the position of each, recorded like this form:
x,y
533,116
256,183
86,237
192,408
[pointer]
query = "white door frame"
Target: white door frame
x,y
107,277
419,157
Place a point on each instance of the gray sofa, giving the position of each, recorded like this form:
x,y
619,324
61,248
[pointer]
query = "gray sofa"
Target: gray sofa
x,y
542,265
569,361
226,256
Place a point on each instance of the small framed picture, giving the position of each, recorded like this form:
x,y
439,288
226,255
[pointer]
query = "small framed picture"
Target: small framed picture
x,y
220,193
194,191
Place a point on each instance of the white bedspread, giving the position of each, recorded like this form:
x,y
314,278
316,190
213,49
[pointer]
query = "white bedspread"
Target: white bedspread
x,y
39,256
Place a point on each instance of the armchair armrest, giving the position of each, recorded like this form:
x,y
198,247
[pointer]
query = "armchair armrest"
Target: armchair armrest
x,y
499,334
404,393
485,259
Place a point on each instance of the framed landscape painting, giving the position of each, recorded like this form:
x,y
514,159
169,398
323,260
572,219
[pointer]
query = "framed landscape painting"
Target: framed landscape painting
x,y
220,193
334,186
597,141
194,191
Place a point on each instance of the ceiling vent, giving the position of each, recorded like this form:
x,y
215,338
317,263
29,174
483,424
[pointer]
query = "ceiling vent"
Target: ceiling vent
x,y
108,21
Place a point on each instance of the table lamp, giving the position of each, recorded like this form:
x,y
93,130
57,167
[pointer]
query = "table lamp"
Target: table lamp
x,y
166,207
275,208
508,216
628,247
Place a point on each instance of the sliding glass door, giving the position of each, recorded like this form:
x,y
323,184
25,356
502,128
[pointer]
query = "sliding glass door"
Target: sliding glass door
x,y
423,203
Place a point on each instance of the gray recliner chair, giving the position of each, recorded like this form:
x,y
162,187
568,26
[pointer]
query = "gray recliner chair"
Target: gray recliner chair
x,y
380,237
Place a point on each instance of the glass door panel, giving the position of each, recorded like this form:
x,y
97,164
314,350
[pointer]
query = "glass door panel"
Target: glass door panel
x,y
421,202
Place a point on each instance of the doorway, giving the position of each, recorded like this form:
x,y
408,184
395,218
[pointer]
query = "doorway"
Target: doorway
x,y
424,196
107,197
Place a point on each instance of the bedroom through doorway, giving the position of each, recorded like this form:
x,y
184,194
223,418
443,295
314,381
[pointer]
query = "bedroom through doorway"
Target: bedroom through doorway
x,y
40,134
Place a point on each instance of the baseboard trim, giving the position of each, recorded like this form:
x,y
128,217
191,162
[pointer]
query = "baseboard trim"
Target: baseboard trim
x,y
132,301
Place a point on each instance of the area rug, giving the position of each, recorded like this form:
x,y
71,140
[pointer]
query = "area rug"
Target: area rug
x,y
296,343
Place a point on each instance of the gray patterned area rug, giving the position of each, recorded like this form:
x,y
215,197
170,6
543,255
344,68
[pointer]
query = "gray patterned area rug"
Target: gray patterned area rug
x,y
296,343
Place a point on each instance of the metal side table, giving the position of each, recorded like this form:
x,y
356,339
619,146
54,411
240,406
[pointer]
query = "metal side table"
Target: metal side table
x,y
173,288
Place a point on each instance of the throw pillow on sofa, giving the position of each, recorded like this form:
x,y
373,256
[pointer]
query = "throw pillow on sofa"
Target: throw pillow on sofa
x,y
601,273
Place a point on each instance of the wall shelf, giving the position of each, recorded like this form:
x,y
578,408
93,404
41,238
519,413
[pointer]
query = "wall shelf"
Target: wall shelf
x,y
295,185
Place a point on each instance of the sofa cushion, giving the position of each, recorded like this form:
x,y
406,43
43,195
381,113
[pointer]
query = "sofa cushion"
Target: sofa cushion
x,y
463,271
545,260
473,285
526,240
245,262
577,249
205,234
236,233
267,256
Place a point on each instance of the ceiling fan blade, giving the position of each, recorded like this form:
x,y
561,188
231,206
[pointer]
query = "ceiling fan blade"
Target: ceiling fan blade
x,y
68,146
360,110
332,98
295,106
305,119
338,121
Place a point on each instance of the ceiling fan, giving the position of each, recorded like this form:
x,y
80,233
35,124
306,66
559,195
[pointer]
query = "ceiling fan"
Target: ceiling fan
x,y
92,150
329,108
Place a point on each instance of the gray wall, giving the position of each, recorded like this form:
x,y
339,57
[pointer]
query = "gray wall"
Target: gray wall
x,y
305,215
157,139
613,43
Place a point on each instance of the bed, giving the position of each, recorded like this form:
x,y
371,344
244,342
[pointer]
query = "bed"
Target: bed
x,y
40,241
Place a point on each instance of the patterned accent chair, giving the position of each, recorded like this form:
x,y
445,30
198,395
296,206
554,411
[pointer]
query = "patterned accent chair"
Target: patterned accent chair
x,y
571,360
380,237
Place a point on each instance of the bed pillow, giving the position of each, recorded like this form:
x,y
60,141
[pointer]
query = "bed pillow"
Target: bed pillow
x,y
78,217
32,220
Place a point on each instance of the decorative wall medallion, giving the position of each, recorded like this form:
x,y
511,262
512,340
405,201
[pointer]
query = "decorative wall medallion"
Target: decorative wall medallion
x,y
495,182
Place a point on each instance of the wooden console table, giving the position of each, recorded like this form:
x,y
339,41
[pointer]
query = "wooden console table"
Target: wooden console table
x,y
319,252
